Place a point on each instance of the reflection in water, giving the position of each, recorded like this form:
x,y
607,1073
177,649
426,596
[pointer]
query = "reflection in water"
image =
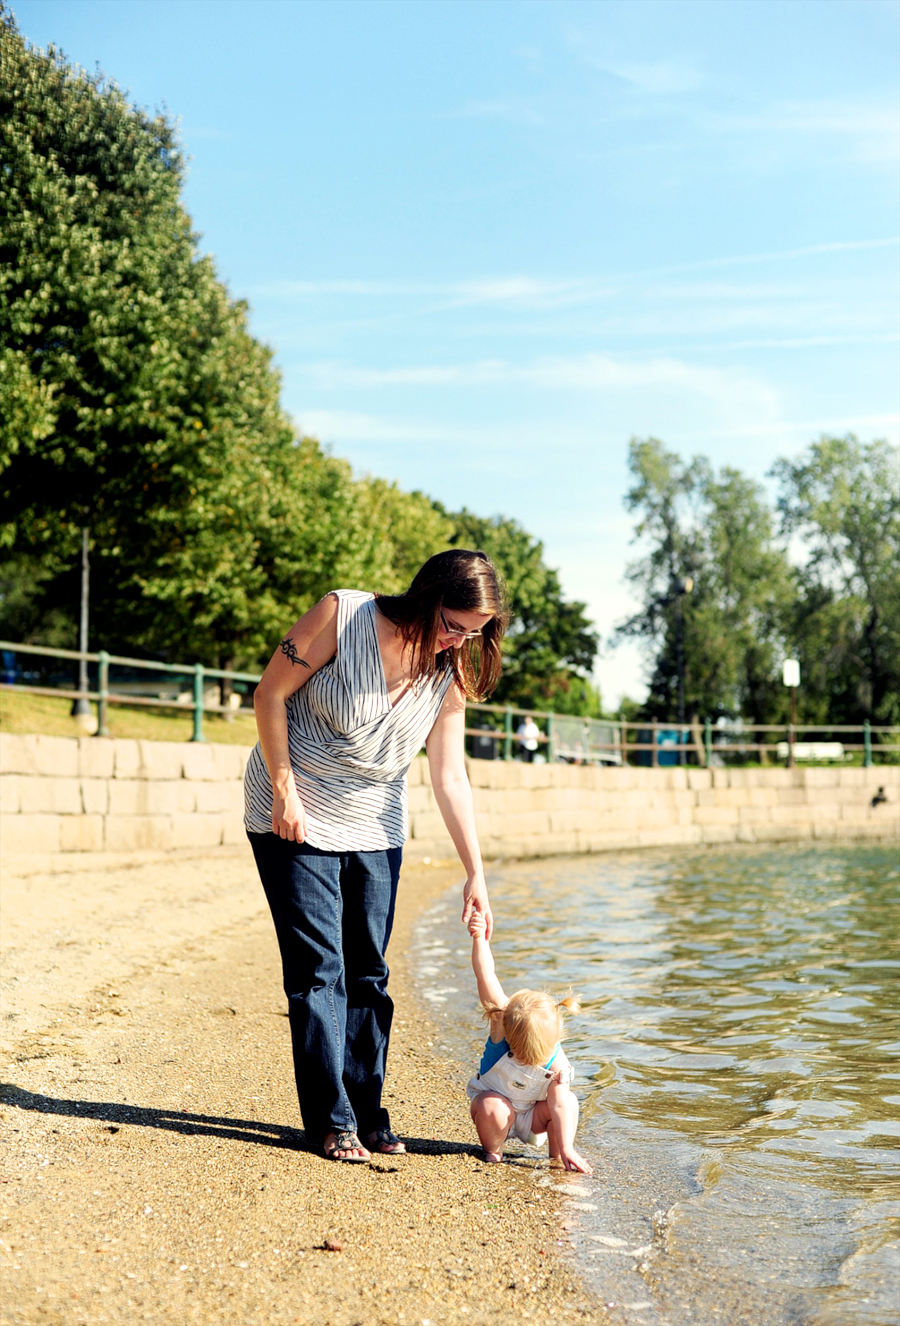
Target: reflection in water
x,y
738,1072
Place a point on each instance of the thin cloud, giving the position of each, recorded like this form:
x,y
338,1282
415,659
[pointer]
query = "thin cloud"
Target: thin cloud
x,y
523,289
654,77
513,110
586,373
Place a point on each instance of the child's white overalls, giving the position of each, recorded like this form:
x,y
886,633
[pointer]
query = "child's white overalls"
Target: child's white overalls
x,y
523,1085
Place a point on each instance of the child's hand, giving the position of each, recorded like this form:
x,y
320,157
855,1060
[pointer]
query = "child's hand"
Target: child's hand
x,y
477,925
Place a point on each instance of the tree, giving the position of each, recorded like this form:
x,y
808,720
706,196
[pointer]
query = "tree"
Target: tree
x,y
842,498
550,645
135,401
714,532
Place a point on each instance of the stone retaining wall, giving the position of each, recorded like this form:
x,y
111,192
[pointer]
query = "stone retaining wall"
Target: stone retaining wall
x,y
60,795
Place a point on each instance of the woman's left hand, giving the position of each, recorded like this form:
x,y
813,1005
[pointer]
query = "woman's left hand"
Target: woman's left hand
x,y
475,899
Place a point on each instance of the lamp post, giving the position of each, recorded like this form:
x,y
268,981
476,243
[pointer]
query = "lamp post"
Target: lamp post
x,y
679,589
790,675
81,708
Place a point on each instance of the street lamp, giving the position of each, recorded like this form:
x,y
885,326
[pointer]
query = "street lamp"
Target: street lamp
x,y
81,708
790,675
679,589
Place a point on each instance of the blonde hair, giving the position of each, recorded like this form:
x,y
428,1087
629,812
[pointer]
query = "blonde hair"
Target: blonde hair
x,y
533,1023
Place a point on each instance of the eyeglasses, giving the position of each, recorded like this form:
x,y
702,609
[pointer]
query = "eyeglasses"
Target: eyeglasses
x,y
459,632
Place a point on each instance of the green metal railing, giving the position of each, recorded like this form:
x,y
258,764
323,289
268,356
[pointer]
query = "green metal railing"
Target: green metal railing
x,y
564,737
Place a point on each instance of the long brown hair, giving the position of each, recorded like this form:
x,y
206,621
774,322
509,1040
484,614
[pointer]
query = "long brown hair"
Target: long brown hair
x,y
467,582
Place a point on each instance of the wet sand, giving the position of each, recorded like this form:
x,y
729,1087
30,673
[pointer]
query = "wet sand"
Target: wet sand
x,y
151,1166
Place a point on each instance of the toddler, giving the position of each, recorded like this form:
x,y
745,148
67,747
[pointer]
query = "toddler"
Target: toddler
x,y
523,1083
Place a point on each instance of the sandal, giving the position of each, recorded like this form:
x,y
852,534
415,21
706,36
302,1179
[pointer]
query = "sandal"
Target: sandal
x,y
386,1143
344,1140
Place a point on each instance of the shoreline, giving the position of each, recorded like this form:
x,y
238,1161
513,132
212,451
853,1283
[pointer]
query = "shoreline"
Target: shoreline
x,y
150,1166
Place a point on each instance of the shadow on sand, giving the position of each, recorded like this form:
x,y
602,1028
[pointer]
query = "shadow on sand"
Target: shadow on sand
x,y
117,1115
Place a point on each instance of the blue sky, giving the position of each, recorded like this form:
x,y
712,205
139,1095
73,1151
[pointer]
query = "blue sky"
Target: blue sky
x,y
490,242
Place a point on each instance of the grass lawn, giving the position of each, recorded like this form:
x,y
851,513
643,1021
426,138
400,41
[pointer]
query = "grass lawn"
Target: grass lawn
x,y
20,712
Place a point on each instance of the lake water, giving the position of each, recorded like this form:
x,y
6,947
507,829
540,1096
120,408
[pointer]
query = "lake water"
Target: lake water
x,y
737,1069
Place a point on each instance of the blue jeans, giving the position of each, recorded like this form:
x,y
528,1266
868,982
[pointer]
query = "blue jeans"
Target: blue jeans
x,y
333,913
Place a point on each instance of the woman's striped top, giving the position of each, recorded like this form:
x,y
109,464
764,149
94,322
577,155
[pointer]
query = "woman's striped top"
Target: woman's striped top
x,y
349,748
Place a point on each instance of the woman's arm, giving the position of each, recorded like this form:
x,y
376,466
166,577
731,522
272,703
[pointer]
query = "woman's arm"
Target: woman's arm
x,y
450,782
308,646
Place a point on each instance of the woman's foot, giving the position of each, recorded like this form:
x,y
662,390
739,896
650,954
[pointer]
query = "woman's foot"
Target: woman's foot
x,y
386,1143
344,1145
494,1157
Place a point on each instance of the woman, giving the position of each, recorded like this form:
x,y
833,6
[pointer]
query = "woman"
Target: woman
x,y
349,697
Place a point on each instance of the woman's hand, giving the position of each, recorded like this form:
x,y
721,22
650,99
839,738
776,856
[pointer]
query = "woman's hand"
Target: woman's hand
x,y
475,899
288,818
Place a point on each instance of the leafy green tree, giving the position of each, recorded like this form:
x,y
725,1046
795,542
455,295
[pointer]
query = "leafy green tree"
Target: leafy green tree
x,y
550,645
715,534
842,498
135,401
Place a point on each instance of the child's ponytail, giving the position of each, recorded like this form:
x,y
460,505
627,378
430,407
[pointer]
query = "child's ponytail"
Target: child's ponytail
x,y
570,1004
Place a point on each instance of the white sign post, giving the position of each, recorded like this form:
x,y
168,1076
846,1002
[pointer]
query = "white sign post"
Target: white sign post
x,y
790,675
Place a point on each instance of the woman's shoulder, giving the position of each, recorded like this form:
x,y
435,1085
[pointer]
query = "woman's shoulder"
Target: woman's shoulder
x,y
355,596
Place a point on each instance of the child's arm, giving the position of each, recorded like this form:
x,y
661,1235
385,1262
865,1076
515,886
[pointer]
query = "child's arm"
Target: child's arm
x,y
490,991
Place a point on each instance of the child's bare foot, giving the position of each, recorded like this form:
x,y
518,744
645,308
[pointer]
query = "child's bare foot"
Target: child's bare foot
x,y
493,1157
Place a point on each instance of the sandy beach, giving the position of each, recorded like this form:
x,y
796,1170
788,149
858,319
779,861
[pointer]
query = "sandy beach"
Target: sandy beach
x,y
152,1170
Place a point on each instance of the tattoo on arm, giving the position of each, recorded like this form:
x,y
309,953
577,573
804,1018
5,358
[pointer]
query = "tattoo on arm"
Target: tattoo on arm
x,y
289,649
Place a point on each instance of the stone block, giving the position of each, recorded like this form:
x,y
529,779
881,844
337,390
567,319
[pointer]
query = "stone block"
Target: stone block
x,y
18,754
96,757
215,798
732,796
825,828
29,834
793,796
783,778
718,815
721,778
10,797
233,830
197,830
748,815
427,824
823,796
790,814
57,796
228,762
526,823
95,795
609,841
717,833
763,796
699,780
165,759
138,833
414,777
826,776
782,833
81,833
128,797
171,797
57,757
661,836
677,779
568,821
127,758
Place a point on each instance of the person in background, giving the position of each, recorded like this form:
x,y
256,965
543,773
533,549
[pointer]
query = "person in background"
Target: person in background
x,y
528,734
